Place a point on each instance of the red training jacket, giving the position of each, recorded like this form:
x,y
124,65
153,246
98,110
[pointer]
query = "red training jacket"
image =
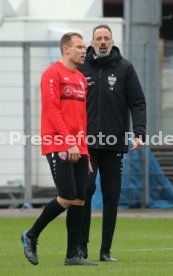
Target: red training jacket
x,y
63,116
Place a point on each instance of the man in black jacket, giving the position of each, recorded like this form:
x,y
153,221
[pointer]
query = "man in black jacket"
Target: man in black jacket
x,y
113,91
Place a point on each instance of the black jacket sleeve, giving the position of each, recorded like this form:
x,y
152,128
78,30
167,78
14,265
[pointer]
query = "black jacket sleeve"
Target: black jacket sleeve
x,y
136,102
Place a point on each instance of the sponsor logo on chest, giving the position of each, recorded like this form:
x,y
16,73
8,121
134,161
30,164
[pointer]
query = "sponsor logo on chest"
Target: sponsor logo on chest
x,y
73,92
67,91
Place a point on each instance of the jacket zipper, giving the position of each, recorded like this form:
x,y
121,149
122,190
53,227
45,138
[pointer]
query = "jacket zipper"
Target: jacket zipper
x,y
98,117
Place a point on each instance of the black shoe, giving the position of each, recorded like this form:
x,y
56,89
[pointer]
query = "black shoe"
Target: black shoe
x,y
30,248
83,251
76,260
106,257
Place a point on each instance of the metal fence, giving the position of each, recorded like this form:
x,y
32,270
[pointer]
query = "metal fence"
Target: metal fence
x,y
21,64
24,173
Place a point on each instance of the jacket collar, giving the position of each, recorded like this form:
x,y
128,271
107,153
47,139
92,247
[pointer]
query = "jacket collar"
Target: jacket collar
x,y
113,57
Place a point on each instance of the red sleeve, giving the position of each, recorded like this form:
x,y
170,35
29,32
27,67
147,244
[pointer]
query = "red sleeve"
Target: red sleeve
x,y
50,89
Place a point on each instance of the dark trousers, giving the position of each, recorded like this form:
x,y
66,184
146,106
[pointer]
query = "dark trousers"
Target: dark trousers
x,y
109,164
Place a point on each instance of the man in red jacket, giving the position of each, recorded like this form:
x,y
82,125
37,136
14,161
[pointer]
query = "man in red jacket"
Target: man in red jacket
x,y
63,132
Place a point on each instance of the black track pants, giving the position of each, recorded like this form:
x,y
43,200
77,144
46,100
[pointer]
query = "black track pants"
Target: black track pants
x,y
109,164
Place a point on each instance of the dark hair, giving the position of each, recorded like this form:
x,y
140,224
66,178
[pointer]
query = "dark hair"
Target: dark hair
x,y
104,27
66,39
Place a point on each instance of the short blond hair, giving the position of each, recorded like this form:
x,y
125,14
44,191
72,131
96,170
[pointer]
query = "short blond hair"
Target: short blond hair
x,y
67,38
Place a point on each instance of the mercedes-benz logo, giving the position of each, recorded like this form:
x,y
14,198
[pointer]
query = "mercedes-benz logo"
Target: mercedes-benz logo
x,y
67,91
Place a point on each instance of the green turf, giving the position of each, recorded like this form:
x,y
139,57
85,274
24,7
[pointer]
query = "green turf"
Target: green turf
x,y
144,247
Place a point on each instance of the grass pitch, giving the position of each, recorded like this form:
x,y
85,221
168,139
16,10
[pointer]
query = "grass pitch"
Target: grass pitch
x,y
144,247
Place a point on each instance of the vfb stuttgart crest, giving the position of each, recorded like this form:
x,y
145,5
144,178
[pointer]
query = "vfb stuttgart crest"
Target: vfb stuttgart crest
x,y
112,80
62,155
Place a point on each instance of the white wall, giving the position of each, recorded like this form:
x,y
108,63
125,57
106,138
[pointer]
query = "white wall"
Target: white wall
x,y
66,9
57,8
37,29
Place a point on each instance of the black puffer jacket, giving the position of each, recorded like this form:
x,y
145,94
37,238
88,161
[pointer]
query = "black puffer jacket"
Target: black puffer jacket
x,y
113,90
